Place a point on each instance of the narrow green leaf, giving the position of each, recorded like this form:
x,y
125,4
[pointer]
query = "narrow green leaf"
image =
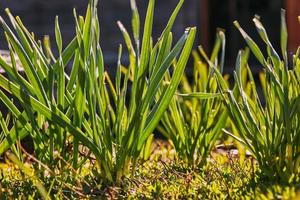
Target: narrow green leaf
x,y
58,35
161,106
253,46
200,95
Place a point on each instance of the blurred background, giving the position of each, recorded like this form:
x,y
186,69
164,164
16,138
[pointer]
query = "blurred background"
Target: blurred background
x,y
207,15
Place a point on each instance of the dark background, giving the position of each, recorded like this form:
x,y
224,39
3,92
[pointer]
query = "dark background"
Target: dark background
x,y
39,15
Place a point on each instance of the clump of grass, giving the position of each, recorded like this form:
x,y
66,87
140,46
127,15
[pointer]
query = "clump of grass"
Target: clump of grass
x,y
64,112
271,130
196,115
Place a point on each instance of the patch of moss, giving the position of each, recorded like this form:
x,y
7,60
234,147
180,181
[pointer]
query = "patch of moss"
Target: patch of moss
x,y
164,176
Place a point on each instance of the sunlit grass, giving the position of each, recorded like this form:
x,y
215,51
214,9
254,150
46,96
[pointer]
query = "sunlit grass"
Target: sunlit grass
x,y
86,107
270,130
92,131
196,115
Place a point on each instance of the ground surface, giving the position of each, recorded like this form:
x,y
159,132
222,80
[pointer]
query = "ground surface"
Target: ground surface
x,y
225,176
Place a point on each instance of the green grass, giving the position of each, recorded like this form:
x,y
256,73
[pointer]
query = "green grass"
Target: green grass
x,y
196,115
92,131
271,130
85,107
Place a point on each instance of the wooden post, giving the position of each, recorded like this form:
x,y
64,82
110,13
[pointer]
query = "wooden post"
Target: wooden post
x,y
204,24
293,11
